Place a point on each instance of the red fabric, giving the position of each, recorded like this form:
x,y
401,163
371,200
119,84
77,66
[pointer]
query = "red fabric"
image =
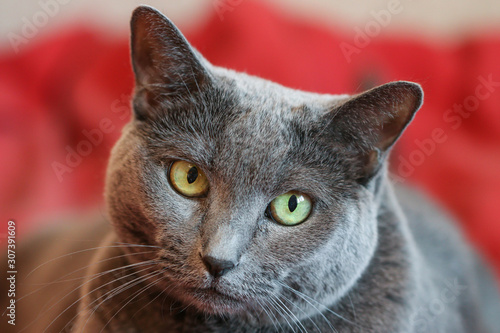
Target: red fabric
x,y
57,88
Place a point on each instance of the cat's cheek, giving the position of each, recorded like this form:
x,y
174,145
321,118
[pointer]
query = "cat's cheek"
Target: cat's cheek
x,y
334,267
290,246
359,238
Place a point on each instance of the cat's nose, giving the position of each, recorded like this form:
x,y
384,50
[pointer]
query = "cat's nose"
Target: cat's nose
x,y
217,267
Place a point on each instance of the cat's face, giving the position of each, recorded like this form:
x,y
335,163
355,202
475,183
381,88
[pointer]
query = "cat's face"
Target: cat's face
x,y
198,170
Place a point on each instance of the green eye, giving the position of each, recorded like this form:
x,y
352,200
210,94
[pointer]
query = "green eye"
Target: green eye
x,y
188,179
290,208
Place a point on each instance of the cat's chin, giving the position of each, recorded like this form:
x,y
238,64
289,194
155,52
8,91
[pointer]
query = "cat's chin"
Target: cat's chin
x,y
209,300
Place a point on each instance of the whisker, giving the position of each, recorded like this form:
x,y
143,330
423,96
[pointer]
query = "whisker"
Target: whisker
x,y
81,285
143,289
352,307
138,245
120,287
262,306
309,300
86,250
309,318
44,285
291,315
148,303
79,299
275,320
277,309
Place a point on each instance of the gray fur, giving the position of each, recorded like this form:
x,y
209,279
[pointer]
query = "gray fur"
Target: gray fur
x,y
368,259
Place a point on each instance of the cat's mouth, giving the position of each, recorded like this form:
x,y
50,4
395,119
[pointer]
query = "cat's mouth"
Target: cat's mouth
x,y
214,300
213,292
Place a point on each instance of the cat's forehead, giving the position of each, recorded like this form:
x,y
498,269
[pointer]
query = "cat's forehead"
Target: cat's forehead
x,y
273,99
266,114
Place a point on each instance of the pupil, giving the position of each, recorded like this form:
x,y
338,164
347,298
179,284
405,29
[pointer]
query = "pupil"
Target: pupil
x,y
192,175
292,203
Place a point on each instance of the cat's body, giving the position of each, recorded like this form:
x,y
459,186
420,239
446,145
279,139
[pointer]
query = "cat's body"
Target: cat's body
x,y
363,258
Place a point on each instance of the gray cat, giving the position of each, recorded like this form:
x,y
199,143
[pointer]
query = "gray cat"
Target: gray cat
x,y
239,205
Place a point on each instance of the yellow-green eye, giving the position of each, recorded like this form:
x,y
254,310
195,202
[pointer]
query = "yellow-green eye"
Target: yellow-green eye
x,y
188,179
290,208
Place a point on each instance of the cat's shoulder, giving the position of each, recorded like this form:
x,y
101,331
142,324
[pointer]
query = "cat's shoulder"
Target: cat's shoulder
x,y
421,209
436,233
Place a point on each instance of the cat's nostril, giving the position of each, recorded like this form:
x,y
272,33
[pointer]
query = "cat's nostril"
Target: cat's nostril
x,y
217,267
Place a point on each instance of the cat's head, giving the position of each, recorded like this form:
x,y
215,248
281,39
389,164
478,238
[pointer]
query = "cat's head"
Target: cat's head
x,y
247,188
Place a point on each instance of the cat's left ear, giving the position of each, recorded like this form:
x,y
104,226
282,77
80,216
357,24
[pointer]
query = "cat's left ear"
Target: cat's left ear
x,y
163,61
371,122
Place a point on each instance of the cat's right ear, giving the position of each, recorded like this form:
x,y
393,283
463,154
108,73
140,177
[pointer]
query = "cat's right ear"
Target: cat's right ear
x,y
163,61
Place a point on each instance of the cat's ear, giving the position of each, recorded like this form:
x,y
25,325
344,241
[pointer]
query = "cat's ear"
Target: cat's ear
x,y
372,121
162,59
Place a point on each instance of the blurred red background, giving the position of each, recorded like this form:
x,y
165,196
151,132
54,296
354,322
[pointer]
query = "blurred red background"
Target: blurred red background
x,y
61,88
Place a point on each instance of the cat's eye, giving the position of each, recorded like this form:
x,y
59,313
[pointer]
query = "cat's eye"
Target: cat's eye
x,y
188,179
290,208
